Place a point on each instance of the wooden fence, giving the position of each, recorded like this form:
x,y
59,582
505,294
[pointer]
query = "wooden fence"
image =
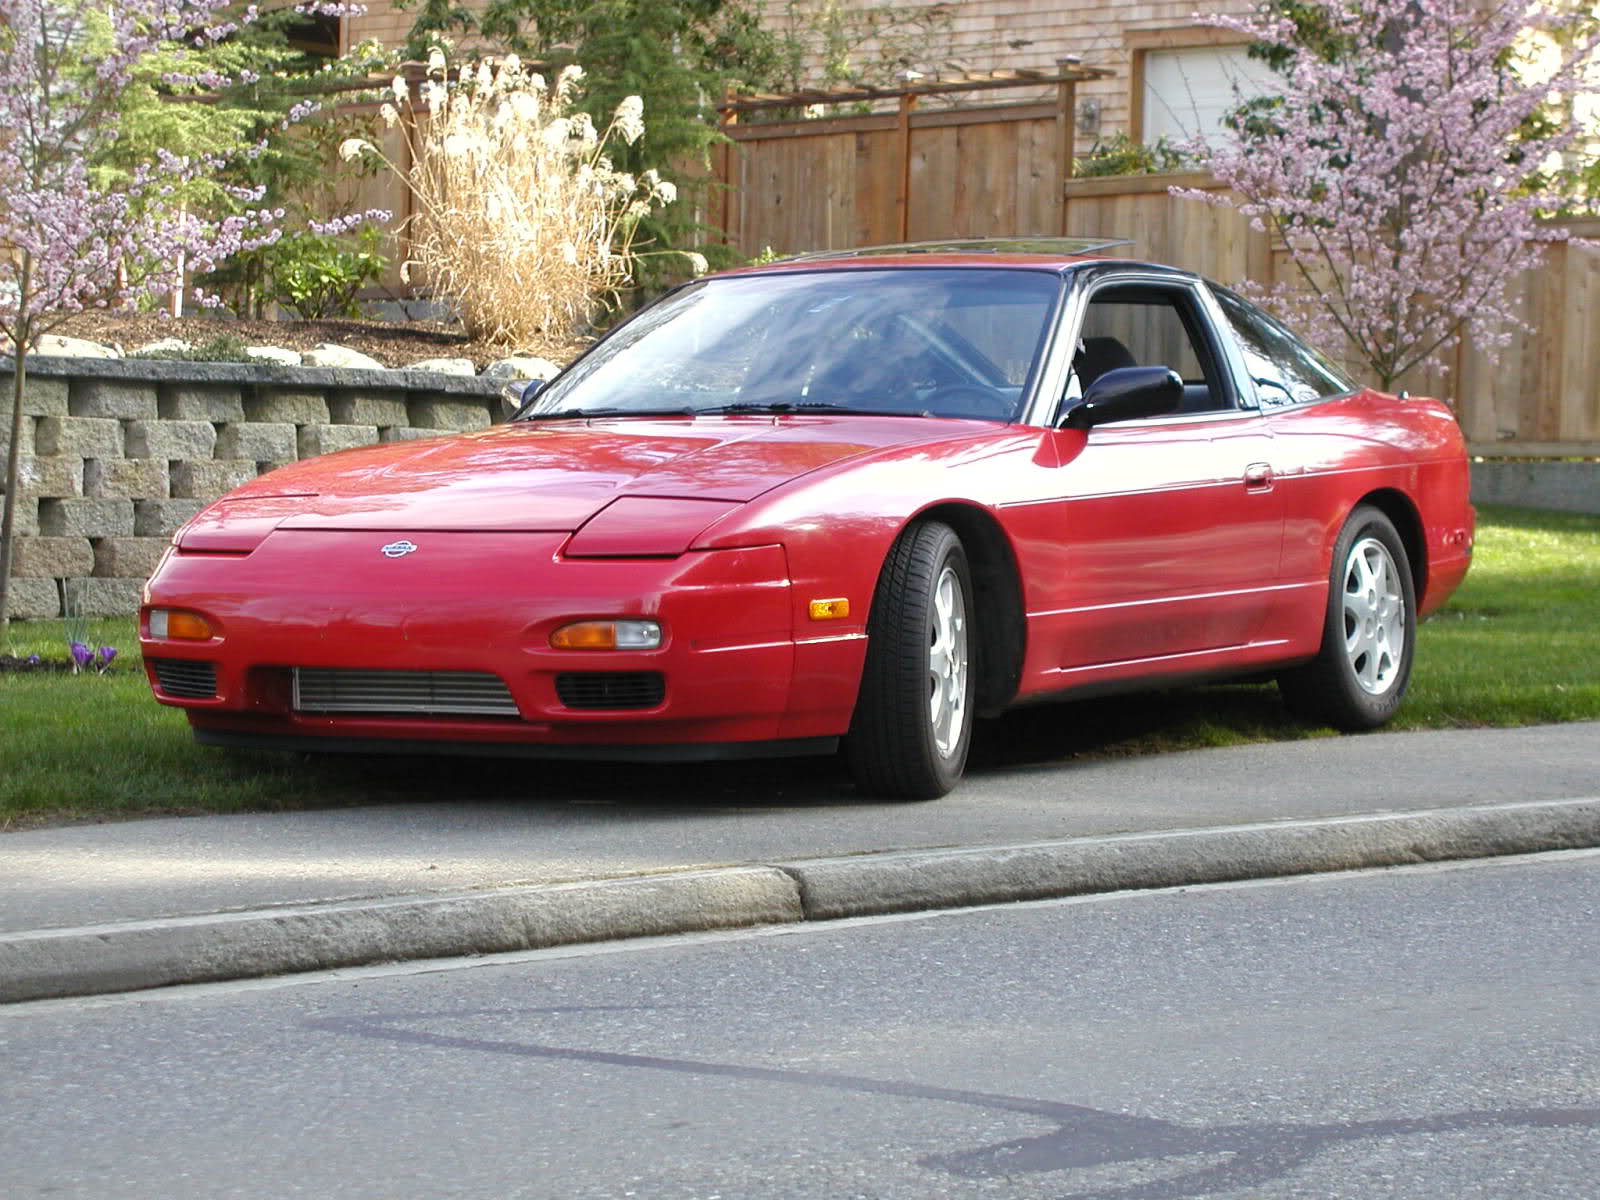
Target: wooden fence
x,y
1004,170
1540,398
895,176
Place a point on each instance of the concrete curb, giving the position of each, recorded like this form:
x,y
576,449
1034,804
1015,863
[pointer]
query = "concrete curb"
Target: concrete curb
x,y
129,956
907,882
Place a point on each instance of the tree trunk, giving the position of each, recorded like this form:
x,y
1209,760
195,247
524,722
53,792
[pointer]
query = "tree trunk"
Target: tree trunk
x,y
19,351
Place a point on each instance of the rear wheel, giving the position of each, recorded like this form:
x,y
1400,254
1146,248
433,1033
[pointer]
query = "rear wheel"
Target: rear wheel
x,y
913,719
1360,675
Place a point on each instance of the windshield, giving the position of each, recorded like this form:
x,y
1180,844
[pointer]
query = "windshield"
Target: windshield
x,y
925,341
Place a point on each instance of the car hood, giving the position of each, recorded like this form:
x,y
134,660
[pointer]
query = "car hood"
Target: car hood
x,y
546,476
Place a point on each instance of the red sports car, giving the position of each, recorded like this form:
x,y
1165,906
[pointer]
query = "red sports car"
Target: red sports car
x,y
859,498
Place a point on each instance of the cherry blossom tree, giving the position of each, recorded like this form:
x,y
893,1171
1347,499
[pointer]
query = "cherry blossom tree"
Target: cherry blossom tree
x,y
1404,164
67,241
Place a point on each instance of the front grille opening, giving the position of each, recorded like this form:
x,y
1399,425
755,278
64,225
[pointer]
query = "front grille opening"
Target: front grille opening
x,y
431,693
611,689
186,679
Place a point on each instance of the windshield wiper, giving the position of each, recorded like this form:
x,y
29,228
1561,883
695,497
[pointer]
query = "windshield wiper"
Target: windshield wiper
x,y
582,413
775,408
786,407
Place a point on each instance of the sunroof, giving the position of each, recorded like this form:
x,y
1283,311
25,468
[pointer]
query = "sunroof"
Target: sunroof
x,y
1040,245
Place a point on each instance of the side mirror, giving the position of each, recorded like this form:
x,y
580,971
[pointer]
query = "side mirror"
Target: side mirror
x,y
1125,394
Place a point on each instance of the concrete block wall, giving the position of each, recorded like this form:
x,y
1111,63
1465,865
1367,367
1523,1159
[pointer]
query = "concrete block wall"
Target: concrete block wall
x,y
116,454
1563,486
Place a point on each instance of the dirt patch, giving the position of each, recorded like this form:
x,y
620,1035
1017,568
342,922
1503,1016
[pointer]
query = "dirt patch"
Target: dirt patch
x,y
394,344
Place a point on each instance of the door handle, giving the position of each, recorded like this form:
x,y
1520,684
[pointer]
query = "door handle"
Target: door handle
x,y
1258,477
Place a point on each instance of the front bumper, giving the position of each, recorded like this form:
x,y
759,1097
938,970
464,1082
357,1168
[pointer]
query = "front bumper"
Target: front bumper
x,y
733,669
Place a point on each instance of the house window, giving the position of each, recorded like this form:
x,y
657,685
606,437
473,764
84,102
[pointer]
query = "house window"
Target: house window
x,y
1186,82
318,35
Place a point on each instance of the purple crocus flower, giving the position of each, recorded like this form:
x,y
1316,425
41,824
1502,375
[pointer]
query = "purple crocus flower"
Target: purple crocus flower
x,y
81,654
34,660
106,654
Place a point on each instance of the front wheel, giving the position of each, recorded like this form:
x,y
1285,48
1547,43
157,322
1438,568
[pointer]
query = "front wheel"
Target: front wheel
x,y
1360,675
913,720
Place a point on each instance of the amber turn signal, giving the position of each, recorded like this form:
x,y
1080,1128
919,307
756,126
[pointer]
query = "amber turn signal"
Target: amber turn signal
x,y
830,610
607,635
174,623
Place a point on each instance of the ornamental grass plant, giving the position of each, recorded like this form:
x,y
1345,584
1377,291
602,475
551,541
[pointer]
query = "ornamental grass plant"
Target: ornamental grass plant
x,y
521,219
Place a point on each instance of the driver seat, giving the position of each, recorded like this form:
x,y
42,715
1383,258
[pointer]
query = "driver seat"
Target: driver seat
x,y
1097,355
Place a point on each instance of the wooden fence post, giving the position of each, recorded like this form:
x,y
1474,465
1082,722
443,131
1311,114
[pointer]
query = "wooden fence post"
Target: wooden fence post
x,y
1066,117
725,166
902,199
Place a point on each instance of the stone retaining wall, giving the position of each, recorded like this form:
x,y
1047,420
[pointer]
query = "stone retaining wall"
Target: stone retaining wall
x,y
1565,486
117,453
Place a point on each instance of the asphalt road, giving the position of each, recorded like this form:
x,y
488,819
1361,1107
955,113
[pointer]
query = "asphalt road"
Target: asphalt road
x,y
1427,1033
569,822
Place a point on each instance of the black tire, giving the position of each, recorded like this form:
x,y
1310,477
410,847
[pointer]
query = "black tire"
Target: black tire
x,y
913,720
1360,674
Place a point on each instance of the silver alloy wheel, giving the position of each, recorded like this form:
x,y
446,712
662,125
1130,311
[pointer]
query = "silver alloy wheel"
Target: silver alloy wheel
x,y
947,662
1374,616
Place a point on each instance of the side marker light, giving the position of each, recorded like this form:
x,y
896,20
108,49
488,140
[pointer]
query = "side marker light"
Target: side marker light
x,y
830,610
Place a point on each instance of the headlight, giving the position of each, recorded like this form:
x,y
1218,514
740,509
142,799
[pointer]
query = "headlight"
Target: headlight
x,y
607,635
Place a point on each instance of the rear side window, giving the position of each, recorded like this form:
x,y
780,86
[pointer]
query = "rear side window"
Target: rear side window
x,y
1283,368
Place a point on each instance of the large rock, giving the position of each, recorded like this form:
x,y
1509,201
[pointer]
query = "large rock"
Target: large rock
x,y
521,367
329,355
169,345
444,366
276,354
71,347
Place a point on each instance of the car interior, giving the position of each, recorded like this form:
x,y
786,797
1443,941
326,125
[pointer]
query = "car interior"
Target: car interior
x,y
1146,326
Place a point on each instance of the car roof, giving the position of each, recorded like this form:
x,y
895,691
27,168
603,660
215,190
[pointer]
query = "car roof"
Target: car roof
x,y
1046,253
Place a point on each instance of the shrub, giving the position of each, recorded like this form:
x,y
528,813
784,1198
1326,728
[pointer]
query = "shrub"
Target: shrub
x,y
1120,154
522,220
317,275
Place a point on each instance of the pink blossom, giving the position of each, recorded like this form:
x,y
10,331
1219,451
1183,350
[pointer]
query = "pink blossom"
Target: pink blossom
x,y
67,242
1399,177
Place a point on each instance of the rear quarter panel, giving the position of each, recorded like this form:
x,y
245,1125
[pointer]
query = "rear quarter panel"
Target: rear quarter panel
x,y
1406,455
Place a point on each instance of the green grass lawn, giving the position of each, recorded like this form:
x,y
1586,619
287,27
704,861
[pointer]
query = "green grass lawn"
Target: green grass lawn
x,y
1519,644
